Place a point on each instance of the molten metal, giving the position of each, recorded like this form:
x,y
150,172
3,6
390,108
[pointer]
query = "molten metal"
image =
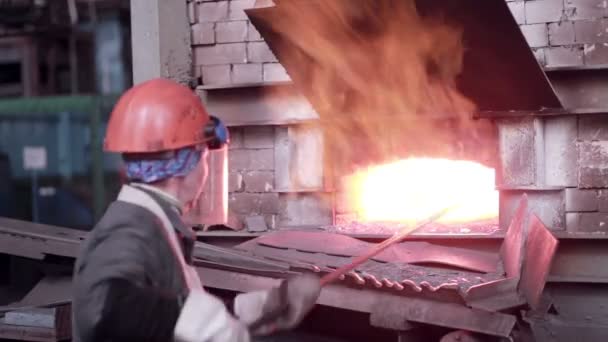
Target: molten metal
x,y
409,190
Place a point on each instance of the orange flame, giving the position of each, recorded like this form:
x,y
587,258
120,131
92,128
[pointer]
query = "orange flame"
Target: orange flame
x,y
382,76
409,190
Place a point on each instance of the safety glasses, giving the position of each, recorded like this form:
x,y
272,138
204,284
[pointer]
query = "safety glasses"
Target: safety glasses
x,y
216,134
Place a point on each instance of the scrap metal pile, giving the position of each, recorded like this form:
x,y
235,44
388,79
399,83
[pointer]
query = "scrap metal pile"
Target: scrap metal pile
x,y
410,282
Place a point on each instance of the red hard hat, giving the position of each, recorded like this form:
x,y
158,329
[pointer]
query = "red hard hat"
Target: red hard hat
x,y
155,116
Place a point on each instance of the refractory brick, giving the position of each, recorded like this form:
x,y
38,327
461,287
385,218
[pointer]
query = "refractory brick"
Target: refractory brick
x,y
258,137
259,181
203,34
536,35
587,222
591,31
275,72
221,54
518,11
216,74
578,200
231,31
561,56
561,33
247,73
259,52
212,11
517,152
596,54
235,182
543,11
238,7
251,160
593,164
593,127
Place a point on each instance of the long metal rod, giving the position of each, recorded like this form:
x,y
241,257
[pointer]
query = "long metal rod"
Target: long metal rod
x,y
377,249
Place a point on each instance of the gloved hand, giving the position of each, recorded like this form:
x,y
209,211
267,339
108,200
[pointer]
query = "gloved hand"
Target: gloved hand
x,y
204,318
281,308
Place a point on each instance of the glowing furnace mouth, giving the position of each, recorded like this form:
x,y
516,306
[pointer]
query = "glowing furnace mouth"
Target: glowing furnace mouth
x,y
409,190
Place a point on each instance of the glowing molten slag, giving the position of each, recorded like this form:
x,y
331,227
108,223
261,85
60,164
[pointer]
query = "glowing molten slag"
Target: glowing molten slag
x,y
410,190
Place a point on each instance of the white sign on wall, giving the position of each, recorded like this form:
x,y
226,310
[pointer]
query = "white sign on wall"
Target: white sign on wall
x,y
34,158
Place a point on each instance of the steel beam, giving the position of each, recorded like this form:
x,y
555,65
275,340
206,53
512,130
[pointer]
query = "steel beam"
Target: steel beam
x,y
361,300
160,34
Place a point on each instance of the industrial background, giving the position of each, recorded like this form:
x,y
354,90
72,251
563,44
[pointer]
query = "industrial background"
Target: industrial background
x,y
545,91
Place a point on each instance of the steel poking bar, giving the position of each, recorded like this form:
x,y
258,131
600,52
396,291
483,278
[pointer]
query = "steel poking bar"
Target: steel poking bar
x,y
377,249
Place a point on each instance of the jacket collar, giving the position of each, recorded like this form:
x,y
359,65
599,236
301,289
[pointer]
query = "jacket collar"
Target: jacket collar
x,y
170,199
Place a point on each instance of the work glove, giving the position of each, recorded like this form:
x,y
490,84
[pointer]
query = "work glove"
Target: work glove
x,y
204,318
280,308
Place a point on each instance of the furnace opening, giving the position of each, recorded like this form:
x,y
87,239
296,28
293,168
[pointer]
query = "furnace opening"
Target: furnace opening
x,y
399,136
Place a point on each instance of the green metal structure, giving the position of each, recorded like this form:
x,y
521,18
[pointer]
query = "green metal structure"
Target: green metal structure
x,y
96,108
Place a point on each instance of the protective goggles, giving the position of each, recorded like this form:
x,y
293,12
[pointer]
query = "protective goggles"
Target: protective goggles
x,y
216,134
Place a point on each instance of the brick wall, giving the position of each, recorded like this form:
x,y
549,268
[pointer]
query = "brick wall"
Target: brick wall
x,y
227,49
564,33
277,173
562,164
251,175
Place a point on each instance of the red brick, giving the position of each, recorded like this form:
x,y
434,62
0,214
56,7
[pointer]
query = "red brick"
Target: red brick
x,y
221,54
216,74
247,73
212,11
593,127
536,35
578,200
564,56
544,11
231,31
203,34
593,164
591,31
585,9
236,137
259,52
274,72
235,182
596,54
603,201
252,33
237,8
518,11
259,181
561,33
258,137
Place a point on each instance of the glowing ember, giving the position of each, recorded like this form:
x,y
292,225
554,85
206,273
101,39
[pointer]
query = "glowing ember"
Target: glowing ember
x,y
410,190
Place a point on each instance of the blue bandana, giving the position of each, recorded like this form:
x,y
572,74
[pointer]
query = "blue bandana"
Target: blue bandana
x,y
154,170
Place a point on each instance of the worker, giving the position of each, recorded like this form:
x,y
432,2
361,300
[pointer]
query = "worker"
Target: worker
x,y
134,279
